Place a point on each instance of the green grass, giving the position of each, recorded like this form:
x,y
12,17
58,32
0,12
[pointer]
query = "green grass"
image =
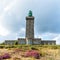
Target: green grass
x,y
31,46
37,47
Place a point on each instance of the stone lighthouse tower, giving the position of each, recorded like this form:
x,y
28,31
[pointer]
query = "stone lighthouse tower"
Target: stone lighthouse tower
x,y
29,28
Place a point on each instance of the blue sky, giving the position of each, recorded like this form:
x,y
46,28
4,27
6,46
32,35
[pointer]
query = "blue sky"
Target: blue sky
x,y
46,13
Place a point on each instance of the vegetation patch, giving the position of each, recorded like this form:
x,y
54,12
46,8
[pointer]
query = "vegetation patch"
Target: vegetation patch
x,y
32,53
5,56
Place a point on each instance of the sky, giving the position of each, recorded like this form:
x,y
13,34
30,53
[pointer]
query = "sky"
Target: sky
x,y
13,19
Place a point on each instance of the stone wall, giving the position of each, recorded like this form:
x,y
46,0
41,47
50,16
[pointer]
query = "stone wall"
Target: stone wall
x,y
37,41
10,42
48,42
21,41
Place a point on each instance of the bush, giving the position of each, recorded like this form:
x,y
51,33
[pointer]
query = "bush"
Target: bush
x,y
32,53
2,46
33,48
16,43
1,58
9,46
42,53
5,56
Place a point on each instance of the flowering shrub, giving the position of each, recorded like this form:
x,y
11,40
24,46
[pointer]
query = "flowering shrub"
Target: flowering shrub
x,y
33,48
5,56
32,53
1,57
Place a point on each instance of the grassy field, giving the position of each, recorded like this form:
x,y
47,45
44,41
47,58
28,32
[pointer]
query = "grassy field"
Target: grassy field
x,y
47,52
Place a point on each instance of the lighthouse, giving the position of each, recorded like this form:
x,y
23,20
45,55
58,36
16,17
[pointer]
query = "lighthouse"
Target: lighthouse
x,y
29,28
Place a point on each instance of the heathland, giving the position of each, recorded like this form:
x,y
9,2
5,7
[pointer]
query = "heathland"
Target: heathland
x,y
29,52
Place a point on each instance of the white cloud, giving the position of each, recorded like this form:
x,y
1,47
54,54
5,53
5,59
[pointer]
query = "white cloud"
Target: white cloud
x,y
21,33
3,31
57,38
22,30
46,35
10,5
49,36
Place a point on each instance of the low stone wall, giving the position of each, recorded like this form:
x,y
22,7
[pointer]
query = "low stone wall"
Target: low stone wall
x,y
21,41
10,42
37,41
31,41
48,42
